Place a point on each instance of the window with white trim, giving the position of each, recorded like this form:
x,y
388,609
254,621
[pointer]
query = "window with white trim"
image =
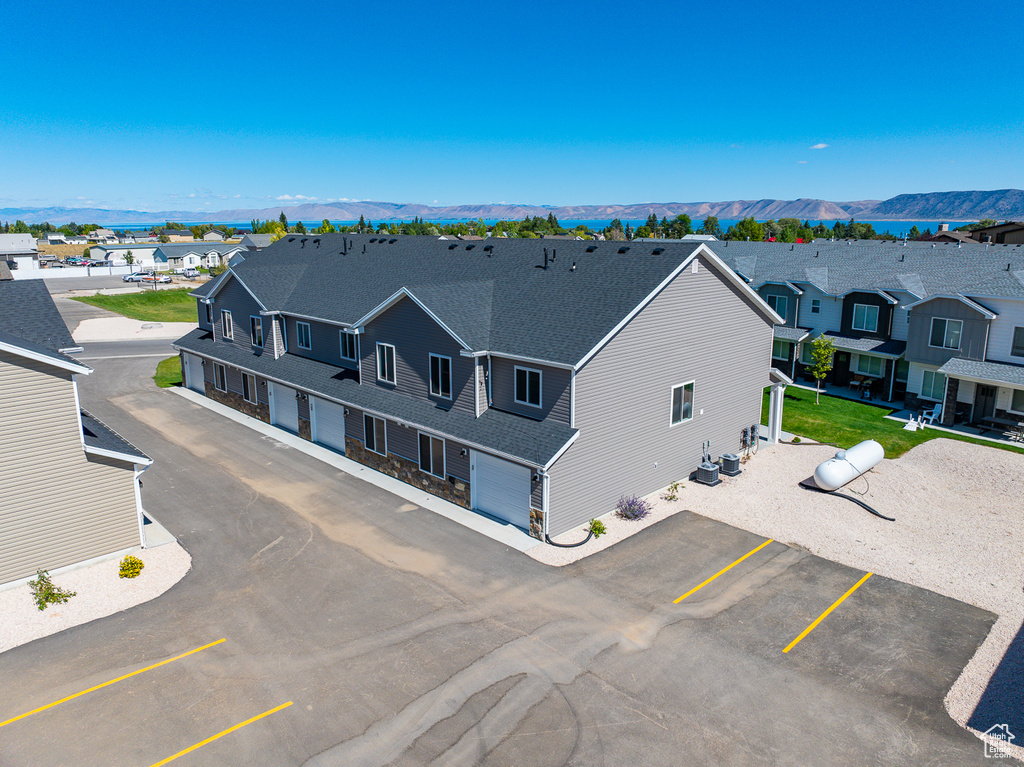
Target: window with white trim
x,y
348,345
432,455
249,387
303,336
780,349
386,363
815,306
865,318
441,376
209,314
933,385
375,434
682,403
807,353
226,326
528,382
870,366
946,333
1017,347
256,330
779,304
220,377
1017,401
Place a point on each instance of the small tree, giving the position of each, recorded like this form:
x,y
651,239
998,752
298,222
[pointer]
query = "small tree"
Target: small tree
x,y
822,350
129,258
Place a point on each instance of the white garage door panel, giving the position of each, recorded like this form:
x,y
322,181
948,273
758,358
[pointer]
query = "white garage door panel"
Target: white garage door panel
x,y
329,423
194,373
284,407
502,489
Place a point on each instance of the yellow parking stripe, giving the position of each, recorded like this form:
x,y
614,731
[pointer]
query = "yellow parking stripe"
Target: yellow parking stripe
x,y
112,681
229,730
723,570
822,617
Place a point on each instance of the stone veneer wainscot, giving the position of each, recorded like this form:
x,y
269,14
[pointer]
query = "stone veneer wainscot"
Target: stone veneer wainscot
x,y
409,472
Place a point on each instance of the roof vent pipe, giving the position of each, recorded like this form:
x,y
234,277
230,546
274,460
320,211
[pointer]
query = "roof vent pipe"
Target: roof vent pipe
x,y
1007,267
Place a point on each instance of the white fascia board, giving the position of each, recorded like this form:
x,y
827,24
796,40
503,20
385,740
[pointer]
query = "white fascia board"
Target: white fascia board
x,y
957,297
314,319
561,451
784,379
531,360
74,367
118,456
731,276
784,283
881,293
406,293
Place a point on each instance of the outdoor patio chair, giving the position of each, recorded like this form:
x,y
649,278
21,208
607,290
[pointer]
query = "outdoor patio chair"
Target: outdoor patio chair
x,y
929,416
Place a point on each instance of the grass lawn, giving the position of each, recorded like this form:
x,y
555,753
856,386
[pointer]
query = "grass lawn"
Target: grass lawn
x,y
168,372
847,422
149,306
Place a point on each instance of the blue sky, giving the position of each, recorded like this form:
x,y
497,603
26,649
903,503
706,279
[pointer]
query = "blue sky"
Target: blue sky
x,y
193,106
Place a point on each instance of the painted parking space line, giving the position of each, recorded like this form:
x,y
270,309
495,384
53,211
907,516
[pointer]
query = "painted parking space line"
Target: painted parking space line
x,y
824,615
724,570
221,734
112,681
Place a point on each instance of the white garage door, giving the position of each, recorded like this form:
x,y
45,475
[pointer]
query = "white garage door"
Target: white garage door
x,y
328,423
284,408
502,489
194,373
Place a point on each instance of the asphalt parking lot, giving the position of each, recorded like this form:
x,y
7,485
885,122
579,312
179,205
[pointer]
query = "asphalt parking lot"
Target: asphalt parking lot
x,y
400,637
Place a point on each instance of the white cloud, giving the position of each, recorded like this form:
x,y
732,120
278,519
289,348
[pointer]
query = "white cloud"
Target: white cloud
x,y
79,198
237,196
820,146
293,197
193,194
801,162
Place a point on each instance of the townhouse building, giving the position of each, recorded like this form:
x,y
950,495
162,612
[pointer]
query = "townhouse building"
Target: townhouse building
x,y
534,382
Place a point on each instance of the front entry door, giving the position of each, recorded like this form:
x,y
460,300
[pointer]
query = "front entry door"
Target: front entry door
x,y
841,368
985,403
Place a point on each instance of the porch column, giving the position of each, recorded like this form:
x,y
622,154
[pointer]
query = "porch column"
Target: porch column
x,y
775,400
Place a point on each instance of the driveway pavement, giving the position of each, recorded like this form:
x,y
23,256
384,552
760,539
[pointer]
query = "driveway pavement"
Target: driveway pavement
x,y
399,637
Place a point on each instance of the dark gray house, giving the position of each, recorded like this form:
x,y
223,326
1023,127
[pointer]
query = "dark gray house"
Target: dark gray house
x,y
69,488
534,381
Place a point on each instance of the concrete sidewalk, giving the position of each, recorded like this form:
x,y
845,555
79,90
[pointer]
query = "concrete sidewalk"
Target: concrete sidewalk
x,y
498,531
117,328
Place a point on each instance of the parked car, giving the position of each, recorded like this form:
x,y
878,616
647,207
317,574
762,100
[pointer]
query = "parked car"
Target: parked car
x,y
136,276
157,278
191,272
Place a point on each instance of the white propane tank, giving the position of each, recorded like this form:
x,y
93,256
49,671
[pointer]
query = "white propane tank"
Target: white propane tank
x,y
848,465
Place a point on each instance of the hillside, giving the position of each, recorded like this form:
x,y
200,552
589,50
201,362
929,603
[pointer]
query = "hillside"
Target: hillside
x,y
934,206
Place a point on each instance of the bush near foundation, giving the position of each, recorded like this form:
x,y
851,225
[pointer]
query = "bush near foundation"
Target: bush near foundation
x,y
130,567
45,593
632,507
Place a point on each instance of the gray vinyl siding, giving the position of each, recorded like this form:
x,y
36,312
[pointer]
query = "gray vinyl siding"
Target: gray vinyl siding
x,y
555,396
415,337
325,340
236,299
58,506
403,441
830,316
792,301
482,379
234,383
303,407
536,492
456,464
354,424
973,336
699,329
201,314
275,335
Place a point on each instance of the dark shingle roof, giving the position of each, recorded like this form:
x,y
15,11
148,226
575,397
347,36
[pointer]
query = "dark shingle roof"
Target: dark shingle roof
x,y
27,311
888,347
98,435
534,442
840,267
491,294
986,371
791,334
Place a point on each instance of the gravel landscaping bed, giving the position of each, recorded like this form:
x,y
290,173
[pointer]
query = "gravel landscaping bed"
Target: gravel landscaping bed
x,y
100,592
959,529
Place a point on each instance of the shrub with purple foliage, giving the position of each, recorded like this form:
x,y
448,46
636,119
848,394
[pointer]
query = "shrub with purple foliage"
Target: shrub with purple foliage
x,y
631,507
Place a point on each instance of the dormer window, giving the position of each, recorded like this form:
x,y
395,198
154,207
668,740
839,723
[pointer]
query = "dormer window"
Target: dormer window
x,y
528,386
441,376
386,363
865,318
226,327
256,330
303,336
779,304
348,345
946,333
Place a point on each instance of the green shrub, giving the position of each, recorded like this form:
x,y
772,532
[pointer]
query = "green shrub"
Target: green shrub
x,y
597,528
130,567
795,440
672,493
45,593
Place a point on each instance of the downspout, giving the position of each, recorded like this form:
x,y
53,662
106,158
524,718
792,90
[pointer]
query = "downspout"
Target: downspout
x,y
490,378
892,379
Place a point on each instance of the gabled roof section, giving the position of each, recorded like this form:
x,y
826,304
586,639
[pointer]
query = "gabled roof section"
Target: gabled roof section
x,y
100,439
40,353
962,299
398,296
27,312
224,279
888,299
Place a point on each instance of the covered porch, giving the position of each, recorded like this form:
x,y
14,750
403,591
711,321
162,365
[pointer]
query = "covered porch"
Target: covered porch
x,y
985,396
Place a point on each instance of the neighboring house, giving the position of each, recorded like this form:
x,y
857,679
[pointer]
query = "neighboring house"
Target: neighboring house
x,y
536,384
134,237
69,488
77,239
144,255
214,235
255,241
102,236
178,235
197,254
1007,233
19,251
56,238
921,324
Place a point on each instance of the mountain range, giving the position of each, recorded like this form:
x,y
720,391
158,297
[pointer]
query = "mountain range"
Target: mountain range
x,y
998,204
